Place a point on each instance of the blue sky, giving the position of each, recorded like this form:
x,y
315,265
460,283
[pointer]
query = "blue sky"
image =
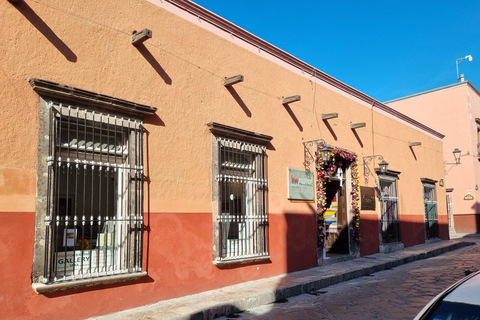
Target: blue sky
x,y
386,49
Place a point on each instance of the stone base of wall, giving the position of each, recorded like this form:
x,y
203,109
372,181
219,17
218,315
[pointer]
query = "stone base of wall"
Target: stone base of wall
x,y
391,247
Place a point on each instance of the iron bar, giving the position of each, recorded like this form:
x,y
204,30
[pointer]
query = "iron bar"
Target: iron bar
x,y
308,157
100,209
241,199
366,169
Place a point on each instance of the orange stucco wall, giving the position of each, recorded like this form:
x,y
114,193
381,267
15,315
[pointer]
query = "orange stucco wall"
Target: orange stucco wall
x,y
180,71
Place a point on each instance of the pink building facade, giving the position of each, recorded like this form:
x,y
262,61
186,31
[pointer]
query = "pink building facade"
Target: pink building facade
x,y
454,110
152,150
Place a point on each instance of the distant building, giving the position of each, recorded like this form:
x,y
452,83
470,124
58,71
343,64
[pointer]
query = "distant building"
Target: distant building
x,y
453,110
152,150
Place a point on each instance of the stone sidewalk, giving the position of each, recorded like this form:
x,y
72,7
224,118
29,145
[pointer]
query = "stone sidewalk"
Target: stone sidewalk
x,y
244,296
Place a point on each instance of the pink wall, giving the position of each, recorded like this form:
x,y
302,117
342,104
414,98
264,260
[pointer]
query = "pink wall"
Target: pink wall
x,y
452,110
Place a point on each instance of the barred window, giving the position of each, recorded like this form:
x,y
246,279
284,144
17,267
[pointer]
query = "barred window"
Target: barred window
x,y
239,191
94,210
89,208
241,183
430,203
389,223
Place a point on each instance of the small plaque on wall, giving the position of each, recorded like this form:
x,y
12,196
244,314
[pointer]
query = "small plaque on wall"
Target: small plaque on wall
x,y
367,196
300,184
468,197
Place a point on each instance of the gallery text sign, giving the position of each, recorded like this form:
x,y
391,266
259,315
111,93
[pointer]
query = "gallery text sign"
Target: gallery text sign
x,y
300,184
83,259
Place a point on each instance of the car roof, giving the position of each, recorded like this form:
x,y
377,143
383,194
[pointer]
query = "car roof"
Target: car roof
x,y
467,292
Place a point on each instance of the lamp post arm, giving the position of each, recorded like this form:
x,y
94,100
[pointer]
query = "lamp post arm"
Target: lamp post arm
x,y
469,57
457,69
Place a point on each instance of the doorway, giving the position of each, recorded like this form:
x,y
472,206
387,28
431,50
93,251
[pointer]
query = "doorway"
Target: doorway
x,y
451,226
336,218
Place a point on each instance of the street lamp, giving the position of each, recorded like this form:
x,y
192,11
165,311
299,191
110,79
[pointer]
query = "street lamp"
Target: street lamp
x,y
456,154
469,58
325,153
383,166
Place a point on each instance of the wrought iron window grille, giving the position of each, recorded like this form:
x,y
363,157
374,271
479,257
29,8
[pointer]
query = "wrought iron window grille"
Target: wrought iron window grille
x,y
242,219
94,212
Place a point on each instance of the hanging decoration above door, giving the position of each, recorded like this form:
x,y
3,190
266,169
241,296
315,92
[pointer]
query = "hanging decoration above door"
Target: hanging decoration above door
x,y
325,169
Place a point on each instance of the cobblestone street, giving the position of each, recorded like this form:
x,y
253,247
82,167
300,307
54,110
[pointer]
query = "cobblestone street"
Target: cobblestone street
x,y
398,293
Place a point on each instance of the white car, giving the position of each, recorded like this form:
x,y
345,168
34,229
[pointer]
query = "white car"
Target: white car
x,y
459,302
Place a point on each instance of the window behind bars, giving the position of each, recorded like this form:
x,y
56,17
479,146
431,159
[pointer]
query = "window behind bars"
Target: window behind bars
x,y
389,223
94,210
430,203
242,219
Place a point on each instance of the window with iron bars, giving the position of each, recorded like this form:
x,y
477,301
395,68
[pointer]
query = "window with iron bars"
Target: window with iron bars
x,y
430,203
389,223
94,211
241,184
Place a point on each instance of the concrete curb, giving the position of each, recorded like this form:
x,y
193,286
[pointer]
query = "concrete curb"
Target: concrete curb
x,y
244,296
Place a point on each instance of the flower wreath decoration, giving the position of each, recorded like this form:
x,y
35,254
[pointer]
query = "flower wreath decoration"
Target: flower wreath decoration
x,y
323,171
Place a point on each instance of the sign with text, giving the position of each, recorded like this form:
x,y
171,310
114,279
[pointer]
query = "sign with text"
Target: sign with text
x,y
300,184
367,196
85,260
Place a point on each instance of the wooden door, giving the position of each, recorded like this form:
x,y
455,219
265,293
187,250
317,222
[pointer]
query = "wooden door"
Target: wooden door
x,y
336,219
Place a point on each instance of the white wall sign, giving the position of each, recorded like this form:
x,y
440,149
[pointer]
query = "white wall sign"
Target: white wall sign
x,y
300,184
88,260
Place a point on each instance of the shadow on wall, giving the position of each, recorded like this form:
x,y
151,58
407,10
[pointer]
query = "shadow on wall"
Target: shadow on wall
x,y
476,208
293,116
45,30
369,235
154,63
239,100
468,223
301,240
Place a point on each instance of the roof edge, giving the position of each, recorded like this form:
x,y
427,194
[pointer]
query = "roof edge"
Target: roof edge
x,y
450,86
252,39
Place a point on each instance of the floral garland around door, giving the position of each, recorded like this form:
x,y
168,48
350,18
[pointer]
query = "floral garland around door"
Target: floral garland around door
x,y
328,169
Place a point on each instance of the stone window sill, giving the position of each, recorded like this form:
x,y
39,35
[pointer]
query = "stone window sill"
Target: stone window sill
x,y
236,262
41,288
